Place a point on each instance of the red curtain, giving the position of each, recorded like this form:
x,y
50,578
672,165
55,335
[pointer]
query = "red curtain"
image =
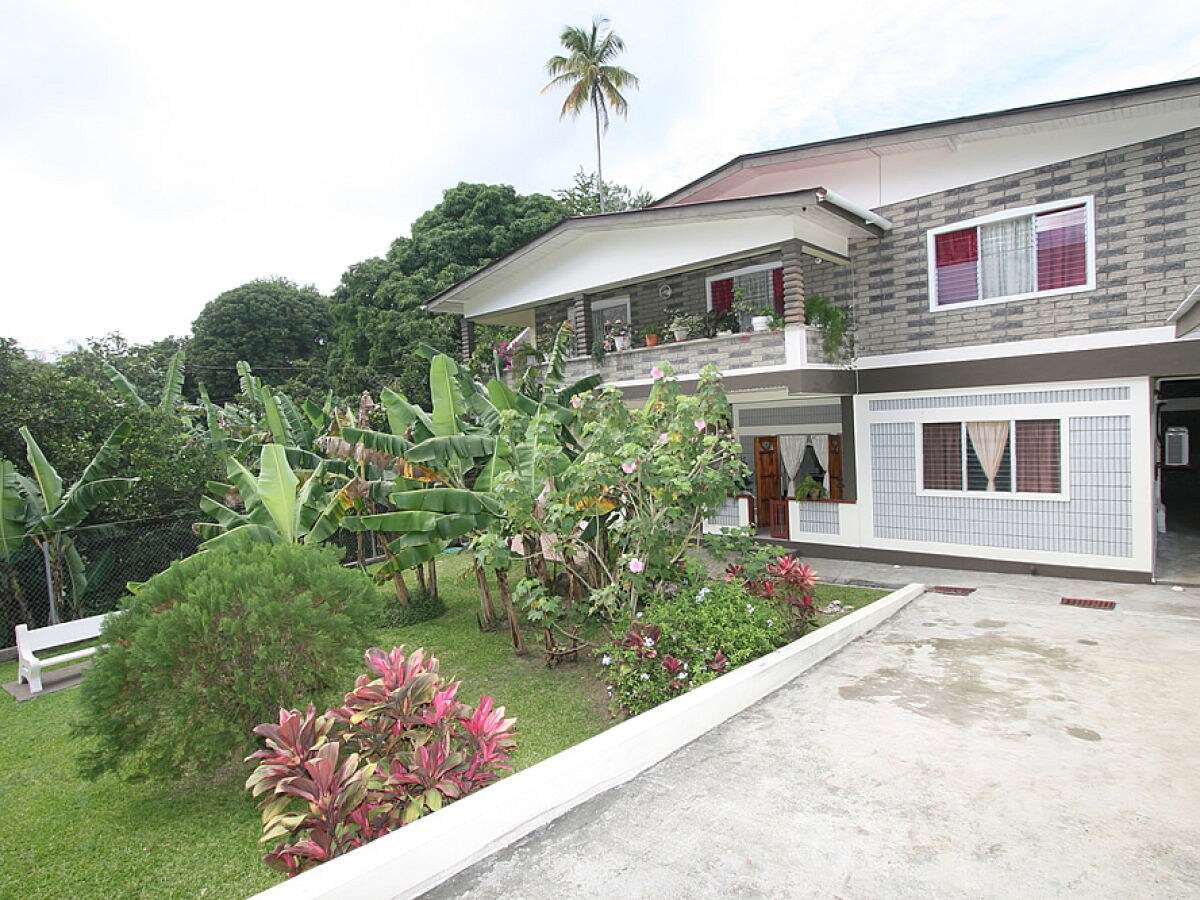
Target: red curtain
x,y
943,456
777,286
1062,248
956,258
722,295
1038,462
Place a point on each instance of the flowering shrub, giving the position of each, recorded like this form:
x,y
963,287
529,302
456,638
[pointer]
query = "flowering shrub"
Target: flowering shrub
x,y
400,747
786,580
684,642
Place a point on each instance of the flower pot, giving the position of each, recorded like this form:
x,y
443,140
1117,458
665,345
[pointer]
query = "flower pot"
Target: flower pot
x,y
681,334
761,323
652,340
623,341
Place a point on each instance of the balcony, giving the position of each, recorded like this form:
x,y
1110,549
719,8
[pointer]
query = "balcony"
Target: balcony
x,y
737,351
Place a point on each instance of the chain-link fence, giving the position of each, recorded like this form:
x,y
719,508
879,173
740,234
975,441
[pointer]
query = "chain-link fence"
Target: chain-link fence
x,y
113,556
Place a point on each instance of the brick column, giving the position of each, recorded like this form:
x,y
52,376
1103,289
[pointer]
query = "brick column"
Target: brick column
x,y
579,316
793,284
467,338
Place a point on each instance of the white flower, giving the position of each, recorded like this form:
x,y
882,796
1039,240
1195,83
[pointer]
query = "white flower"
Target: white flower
x,y
638,616
704,592
749,609
645,677
606,660
770,622
649,642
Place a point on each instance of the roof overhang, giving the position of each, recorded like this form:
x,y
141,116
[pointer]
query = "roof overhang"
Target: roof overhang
x,y
1186,317
594,253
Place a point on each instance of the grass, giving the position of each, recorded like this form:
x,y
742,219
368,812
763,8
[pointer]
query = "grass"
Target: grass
x,y
66,837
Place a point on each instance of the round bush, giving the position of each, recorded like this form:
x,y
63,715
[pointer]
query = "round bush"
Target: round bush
x,y
216,644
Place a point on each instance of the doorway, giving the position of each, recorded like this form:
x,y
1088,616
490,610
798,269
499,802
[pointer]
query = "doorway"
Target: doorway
x,y
1177,556
766,475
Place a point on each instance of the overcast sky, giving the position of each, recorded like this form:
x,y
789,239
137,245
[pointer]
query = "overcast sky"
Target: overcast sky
x,y
153,155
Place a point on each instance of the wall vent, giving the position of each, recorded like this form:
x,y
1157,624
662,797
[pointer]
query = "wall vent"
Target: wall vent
x,y
1175,446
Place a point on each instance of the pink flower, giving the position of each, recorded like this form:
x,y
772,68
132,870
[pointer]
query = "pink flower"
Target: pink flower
x,y
628,467
636,566
575,401
663,438
657,373
700,424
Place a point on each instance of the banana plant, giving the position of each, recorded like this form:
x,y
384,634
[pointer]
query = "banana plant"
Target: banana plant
x,y
40,511
276,506
172,393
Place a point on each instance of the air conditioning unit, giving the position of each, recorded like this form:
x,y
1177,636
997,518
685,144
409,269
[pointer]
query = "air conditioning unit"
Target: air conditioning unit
x,y
1175,446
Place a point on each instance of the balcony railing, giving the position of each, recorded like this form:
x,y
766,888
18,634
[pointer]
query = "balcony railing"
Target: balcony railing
x,y
739,351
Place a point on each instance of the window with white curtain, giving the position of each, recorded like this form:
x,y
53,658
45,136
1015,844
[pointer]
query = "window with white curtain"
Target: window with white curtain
x,y
1032,252
1009,456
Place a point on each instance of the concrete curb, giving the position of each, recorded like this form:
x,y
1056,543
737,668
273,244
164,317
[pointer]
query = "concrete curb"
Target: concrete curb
x,y
422,855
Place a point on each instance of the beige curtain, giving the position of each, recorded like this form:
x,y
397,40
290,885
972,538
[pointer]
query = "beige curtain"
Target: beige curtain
x,y
989,440
791,452
820,445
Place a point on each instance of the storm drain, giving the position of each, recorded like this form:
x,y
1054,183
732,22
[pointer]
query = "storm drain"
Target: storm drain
x,y
954,591
1088,604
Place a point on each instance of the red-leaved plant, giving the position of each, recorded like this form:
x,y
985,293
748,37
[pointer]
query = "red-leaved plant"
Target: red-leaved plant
x,y
793,582
400,747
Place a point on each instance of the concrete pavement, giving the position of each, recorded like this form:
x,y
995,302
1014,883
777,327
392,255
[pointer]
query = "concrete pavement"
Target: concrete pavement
x,y
997,744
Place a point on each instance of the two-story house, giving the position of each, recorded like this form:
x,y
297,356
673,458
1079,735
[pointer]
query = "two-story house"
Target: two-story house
x,y
1024,328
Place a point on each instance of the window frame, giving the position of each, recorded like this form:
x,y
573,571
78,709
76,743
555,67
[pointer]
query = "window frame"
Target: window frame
x,y
609,303
1062,495
746,270
1087,202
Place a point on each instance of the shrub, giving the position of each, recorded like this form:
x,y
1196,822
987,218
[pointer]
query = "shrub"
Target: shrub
x,y
421,608
401,747
684,642
215,644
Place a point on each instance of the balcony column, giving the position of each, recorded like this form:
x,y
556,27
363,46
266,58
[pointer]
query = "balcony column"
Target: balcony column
x,y
466,338
578,316
793,284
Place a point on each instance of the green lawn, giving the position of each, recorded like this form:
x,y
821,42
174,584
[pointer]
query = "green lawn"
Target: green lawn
x,y
61,836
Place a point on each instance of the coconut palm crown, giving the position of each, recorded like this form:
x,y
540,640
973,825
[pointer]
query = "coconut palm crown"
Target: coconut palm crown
x,y
590,78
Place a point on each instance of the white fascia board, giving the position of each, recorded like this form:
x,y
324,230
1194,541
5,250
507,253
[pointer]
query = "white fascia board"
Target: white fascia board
x,y
1138,337
598,260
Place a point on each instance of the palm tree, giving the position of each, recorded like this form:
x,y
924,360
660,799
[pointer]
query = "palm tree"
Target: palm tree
x,y
590,79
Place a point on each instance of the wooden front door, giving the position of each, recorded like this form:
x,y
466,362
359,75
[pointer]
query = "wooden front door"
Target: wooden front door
x,y
835,467
766,475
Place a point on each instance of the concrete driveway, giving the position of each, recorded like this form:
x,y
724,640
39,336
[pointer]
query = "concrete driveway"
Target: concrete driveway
x,y
991,745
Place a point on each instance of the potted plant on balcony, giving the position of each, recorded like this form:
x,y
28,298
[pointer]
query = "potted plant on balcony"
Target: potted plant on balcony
x,y
650,334
684,324
821,313
762,319
619,332
724,322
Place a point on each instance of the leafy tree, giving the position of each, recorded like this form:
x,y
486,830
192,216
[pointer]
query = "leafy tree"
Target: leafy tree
x,y
144,367
38,510
587,196
590,78
377,307
272,324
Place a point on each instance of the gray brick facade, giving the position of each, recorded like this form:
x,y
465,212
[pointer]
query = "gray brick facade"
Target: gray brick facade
x,y
739,351
1147,204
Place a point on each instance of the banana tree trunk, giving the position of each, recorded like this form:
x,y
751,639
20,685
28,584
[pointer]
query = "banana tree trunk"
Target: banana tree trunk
x,y
421,587
51,588
19,594
402,594
487,610
510,610
433,590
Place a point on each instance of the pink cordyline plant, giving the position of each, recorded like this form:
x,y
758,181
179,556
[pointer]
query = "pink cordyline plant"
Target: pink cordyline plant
x,y
400,747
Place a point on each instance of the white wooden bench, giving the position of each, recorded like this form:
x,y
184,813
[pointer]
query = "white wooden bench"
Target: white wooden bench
x,y
30,641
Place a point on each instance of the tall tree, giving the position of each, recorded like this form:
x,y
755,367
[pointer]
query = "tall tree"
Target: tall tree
x,y
274,325
591,79
584,197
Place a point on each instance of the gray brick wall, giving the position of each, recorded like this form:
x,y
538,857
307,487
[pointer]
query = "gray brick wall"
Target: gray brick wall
x,y
739,351
1147,202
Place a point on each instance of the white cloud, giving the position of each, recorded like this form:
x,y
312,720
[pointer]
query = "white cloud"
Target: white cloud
x,y
153,155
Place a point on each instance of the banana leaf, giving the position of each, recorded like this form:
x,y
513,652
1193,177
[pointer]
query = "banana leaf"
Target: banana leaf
x,y
125,389
49,483
172,391
448,403
277,490
401,415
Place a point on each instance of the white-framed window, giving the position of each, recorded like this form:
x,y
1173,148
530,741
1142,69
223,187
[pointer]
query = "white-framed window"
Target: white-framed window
x,y
1005,457
610,309
1036,251
759,286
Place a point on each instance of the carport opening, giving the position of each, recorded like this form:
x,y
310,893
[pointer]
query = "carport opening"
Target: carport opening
x,y
1178,478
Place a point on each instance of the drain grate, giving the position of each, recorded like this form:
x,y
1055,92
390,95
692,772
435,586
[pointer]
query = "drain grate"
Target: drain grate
x,y
956,591
1088,604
